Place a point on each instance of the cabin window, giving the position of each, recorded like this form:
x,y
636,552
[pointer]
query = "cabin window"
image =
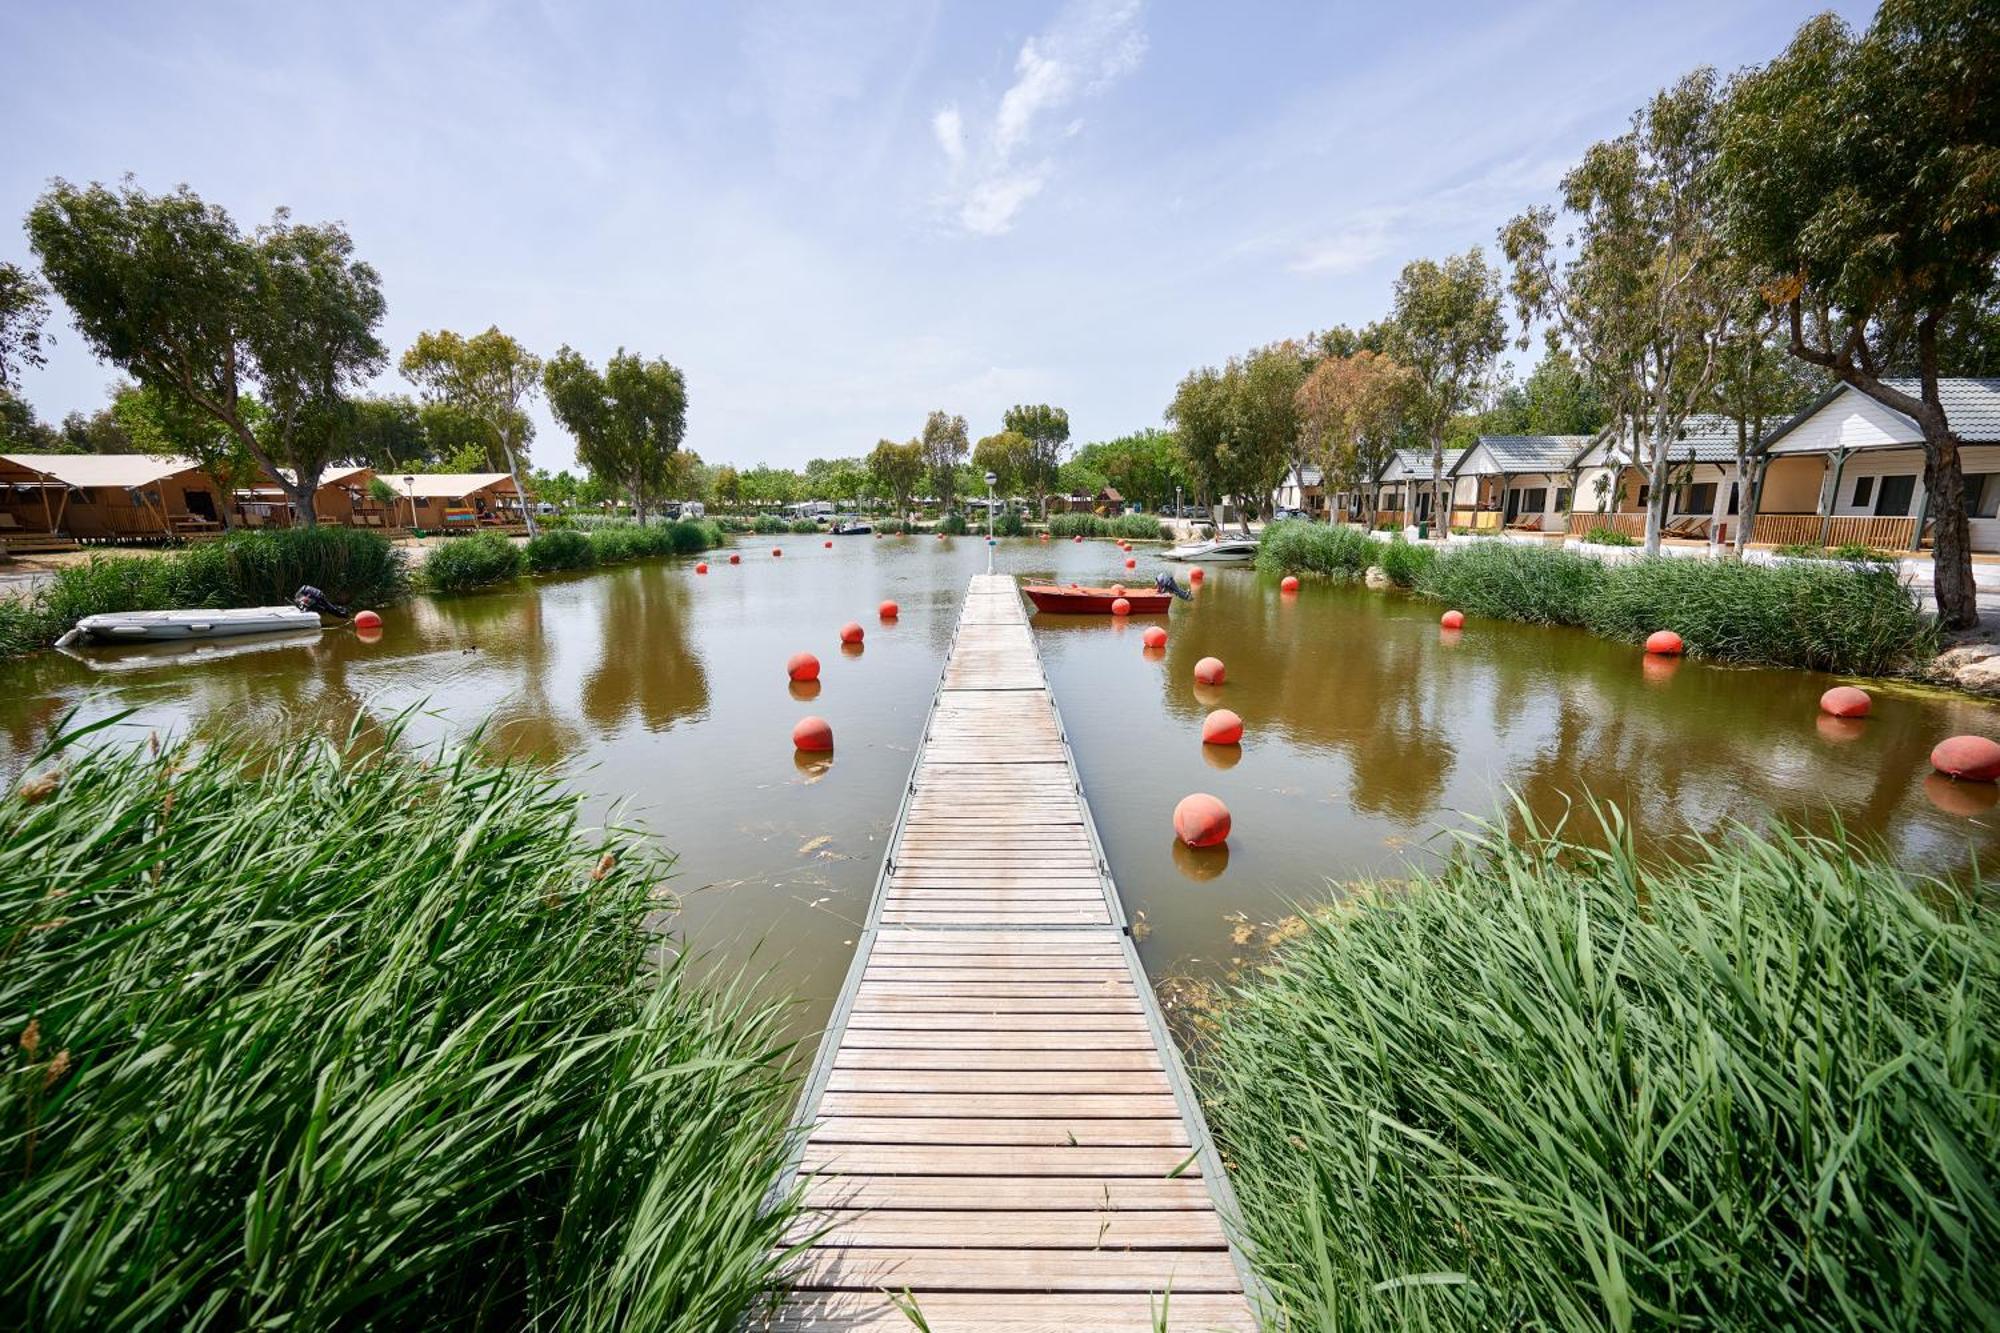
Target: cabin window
x,y
1700,499
1513,504
1864,491
1562,499
1982,496
1893,499
1534,500
1734,496
1645,493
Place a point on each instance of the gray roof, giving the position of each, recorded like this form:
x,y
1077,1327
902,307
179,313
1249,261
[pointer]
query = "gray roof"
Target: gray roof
x,y
1534,453
1971,406
1407,463
1704,438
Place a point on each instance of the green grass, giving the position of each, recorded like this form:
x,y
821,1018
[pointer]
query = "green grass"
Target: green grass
x,y
1333,549
1551,1088
1609,537
316,1037
242,569
1516,581
1133,527
476,560
1406,563
1853,551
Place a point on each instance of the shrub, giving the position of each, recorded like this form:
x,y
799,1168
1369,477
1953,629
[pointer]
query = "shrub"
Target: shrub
x,y
1134,527
1609,537
1138,528
265,568
1010,524
768,523
617,542
350,1039
1297,546
1821,616
472,561
561,549
1854,552
953,523
1406,563
1515,581
804,526
1075,525
892,526
731,523
1550,1087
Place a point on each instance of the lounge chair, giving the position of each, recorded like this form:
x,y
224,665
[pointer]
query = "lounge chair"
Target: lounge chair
x,y
1529,523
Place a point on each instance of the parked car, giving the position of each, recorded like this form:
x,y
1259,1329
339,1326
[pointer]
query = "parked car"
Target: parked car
x,y
1283,514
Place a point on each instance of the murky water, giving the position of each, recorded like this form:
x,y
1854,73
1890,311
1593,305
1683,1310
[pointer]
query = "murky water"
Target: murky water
x,y
662,694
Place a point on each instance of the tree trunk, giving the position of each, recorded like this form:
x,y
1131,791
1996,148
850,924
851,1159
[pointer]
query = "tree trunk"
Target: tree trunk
x,y
1951,543
1656,502
300,493
514,475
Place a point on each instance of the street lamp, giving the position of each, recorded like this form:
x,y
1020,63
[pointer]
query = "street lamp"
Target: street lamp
x,y
990,479
410,490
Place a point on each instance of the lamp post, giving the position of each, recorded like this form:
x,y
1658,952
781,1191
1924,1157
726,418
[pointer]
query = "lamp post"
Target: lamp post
x,y
990,479
410,492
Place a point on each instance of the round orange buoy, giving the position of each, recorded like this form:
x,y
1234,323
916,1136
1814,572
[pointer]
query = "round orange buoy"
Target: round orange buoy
x,y
1845,701
1452,620
367,620
1665,642
701,566
850,632
775,551
735,559
1222,727
1131,564
1201,821
888,610
1043,535
829,546
1077,538
812,733
940,536
802,666
1120,607
1208,671
1154,637
1197,574
1967,758
1289,583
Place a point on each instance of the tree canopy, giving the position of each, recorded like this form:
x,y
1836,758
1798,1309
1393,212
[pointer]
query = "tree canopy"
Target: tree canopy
x,y
1046,429
897,470
490,377
945,447
628,422
1446,330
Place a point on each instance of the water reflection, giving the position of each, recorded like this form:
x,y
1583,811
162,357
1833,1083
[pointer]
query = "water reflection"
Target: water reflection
x,y
1200,864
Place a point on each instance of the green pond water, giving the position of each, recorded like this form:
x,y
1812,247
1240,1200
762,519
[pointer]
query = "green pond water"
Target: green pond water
x,y
1371,733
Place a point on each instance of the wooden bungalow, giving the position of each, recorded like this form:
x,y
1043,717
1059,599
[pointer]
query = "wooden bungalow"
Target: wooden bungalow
x,y
1404,494
1849,470
1516,483
342,498
105,497
1303,489
447,500
1705,497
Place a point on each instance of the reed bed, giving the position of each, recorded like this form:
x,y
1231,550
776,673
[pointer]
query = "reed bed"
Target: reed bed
x,y
1335,550
1514,581
316,1036
1550,1088
476,560
1133,527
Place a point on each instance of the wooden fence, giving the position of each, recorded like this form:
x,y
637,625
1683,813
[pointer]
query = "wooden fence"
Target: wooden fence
x,y
1885,534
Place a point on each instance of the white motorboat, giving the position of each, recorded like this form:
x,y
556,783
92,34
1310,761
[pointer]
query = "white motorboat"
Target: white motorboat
x,y
180,626
146,656
850,526
1218,550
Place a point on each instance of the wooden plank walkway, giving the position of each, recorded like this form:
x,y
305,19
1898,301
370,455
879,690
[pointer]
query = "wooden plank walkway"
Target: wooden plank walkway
x,y
998,1122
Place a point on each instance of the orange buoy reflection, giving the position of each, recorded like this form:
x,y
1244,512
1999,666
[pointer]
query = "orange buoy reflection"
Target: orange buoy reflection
x,y
1221,756
1963,799
1201,864
805,689
1839,730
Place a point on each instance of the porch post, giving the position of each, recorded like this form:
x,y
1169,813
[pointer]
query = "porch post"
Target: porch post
x,y
1832,495
1923,514
1720,509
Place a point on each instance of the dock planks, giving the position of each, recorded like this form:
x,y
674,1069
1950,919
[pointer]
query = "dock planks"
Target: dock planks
x,y
998,1124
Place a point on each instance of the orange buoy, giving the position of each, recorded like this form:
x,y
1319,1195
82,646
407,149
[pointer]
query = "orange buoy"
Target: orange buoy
x,y
735,559
1131,564
829,546
1197,574
1967,758
1665,642
367,620
850,632
701,566
812,733
776,552
1452,620
1208,671
1042,535
1222,727
1120,607
1845,701
1201,821
1289,583
888,610
802,666
1077,538
1154,637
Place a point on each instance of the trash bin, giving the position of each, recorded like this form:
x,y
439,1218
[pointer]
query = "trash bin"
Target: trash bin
x,y
1423,529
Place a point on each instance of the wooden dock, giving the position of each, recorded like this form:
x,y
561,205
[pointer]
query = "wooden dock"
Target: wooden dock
x,y
999,1124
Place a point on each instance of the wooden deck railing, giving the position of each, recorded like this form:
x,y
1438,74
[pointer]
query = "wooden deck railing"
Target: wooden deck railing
x,y
1630,525
1886,534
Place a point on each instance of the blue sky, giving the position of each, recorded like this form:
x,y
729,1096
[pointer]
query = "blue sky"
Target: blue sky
x,y
836,218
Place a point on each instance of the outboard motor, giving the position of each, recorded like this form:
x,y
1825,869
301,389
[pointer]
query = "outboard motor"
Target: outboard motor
x,y
309,598
1165,583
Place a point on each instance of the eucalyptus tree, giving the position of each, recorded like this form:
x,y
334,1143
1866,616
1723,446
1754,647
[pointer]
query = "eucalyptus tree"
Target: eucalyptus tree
x,y
728,485
1446,330
1857,174
490,377
945,447
1757,383
1645,292
24,310
1010,456
628,422
166,288
1046,429
155,420
1350,408
896,470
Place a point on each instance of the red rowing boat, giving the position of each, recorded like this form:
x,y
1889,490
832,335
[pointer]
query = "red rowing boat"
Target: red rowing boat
x,y
1075,599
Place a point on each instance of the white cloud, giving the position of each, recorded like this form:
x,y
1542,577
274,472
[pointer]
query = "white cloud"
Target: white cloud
x,y
1089,47
1345,250
949,127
